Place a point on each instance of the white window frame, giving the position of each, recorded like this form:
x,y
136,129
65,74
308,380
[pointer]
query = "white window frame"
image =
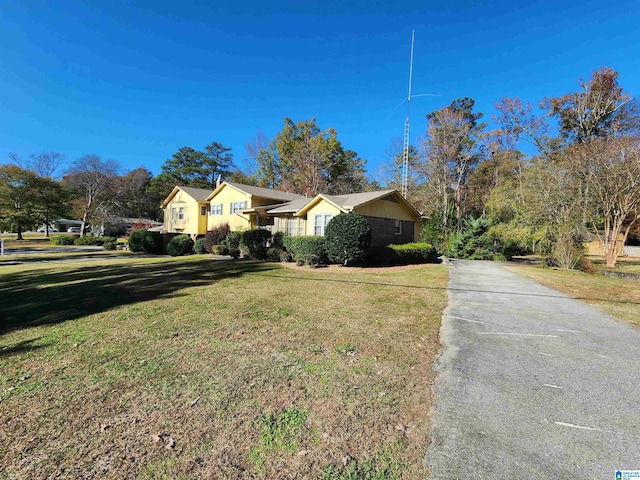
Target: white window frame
x,y
320,221
216,209
180,213
398,227
174,213
237,206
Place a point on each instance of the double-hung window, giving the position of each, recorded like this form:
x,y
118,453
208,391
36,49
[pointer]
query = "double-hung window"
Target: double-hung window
x,y
180,213
216,209
320,222
237,206
398,227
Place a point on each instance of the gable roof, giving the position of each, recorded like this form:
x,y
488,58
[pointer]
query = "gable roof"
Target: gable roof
x,y
256,191
351,201
198,194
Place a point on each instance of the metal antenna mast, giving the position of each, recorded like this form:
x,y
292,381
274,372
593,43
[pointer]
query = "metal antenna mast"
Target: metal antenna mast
x,y
405,150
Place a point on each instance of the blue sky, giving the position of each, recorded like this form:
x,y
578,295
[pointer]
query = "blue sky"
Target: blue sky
x,y
136,80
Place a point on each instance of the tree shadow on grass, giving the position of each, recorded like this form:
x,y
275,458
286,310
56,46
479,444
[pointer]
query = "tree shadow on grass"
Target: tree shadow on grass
x,y
49,296
20,347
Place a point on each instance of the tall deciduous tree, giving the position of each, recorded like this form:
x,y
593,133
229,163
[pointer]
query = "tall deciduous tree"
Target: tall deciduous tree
x,y
306,160
601,109
610,168
93,179
451,153
134,199
44,164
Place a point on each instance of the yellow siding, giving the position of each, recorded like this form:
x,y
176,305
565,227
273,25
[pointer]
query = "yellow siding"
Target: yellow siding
x,y
227,196
386,209
322,208
192,223
595,247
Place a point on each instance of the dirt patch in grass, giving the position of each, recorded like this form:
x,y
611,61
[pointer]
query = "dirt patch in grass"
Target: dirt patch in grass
x,y
193,368
616,296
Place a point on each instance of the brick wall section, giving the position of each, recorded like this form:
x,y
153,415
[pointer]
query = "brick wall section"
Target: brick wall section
x,y
383,231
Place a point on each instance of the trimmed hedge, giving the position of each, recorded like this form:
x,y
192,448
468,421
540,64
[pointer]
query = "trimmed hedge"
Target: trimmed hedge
x,y
220,250
254,242
347,237
180,245
109,243
310,250
87,240
62,240
411,253
143,240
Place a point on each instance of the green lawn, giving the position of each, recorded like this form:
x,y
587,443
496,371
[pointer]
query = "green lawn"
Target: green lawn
x,y
616,296
194,368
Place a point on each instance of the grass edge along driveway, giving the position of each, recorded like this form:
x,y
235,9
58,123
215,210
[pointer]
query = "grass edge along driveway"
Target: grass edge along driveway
x,y
616,296
191,368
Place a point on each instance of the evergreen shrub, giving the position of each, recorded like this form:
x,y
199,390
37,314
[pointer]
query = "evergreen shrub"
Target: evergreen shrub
x,y
254,243
413,253
198,246
62,240
180,245
310,250
347,238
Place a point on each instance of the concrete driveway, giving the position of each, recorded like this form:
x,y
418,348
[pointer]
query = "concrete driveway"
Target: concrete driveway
x,y
531,384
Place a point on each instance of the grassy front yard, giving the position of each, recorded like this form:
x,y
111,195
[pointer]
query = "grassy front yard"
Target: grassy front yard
x,y
616,296
192,368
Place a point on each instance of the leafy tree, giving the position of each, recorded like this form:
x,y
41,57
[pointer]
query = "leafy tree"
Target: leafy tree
x,y
93,180
347,238
306,160
610,169
601,109
135,199
519,122
17,198
451,153
193,168
500,167
51,200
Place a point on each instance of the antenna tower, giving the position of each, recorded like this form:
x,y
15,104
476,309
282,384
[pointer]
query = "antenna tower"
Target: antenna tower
x,y
405,149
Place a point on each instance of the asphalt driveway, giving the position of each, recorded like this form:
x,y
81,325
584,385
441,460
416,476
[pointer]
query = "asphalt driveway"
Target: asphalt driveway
x,y
531,384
